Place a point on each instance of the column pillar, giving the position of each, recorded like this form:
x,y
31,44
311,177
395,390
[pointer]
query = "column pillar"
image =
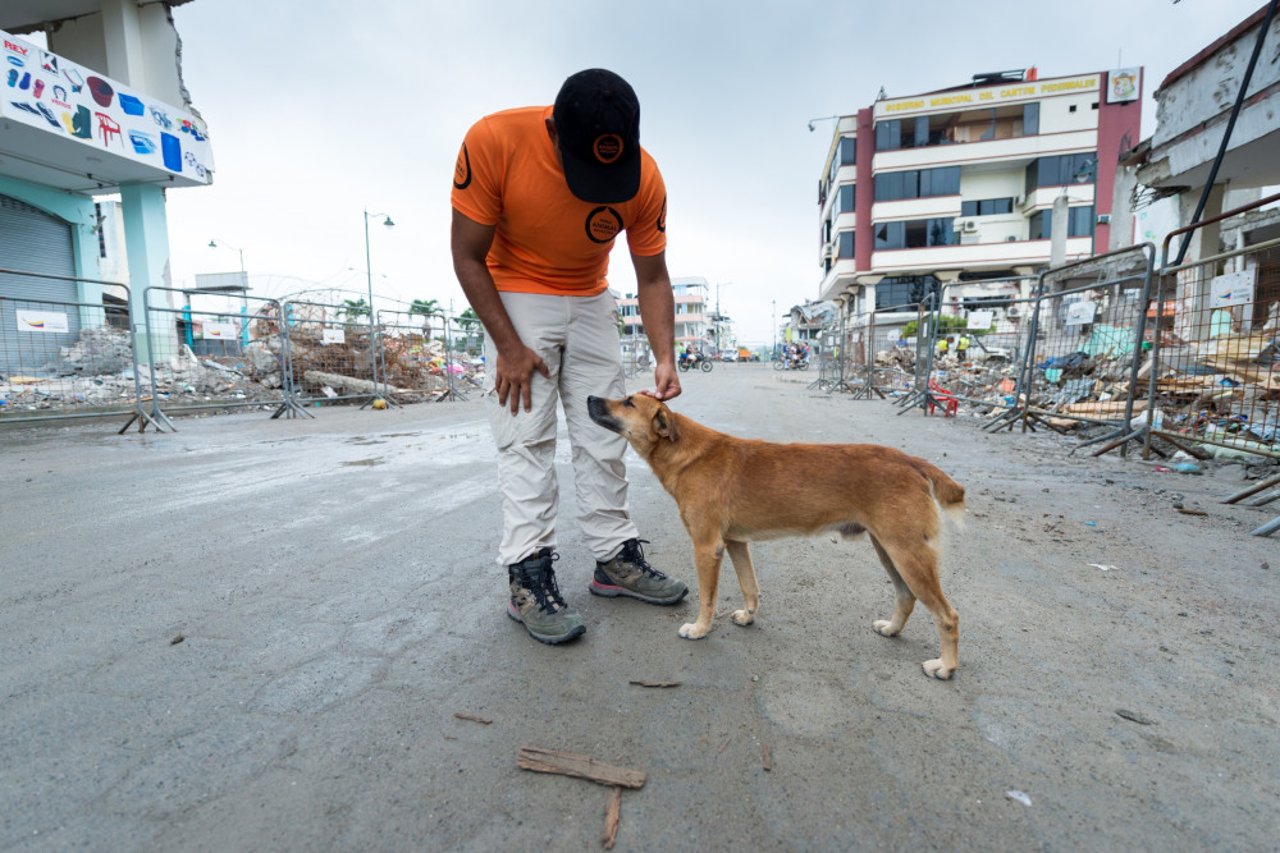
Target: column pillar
x,y
147,240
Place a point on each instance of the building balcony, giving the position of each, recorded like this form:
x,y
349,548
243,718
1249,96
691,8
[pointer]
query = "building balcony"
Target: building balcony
x,y
970,256
994,150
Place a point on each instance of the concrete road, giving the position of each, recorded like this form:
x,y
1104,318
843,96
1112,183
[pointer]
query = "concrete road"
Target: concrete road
x,y
333,584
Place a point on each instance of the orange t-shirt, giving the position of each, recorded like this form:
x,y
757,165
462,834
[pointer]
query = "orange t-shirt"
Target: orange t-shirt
x,y
546,239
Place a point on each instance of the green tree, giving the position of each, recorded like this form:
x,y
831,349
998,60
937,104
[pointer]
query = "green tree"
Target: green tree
x,y
469,322
948,324
354,309
425,307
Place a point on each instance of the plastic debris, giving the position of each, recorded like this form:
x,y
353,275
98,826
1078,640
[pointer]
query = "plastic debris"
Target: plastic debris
x,y
1018,797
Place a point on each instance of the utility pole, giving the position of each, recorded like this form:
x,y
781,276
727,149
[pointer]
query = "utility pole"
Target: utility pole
x,y
773,319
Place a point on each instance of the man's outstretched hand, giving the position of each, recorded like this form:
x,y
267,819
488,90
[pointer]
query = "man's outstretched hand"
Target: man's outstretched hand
x,y
666,383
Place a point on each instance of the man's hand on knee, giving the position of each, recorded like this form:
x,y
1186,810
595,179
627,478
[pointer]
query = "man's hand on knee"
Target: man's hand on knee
x,y
513,377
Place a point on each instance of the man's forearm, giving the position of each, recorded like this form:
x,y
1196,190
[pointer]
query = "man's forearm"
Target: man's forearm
x,y
477,284
657,312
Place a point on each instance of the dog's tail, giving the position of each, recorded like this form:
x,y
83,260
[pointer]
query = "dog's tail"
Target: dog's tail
x,y
947,492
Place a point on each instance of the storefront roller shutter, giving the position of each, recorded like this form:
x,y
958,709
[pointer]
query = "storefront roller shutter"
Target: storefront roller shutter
x,y
33,241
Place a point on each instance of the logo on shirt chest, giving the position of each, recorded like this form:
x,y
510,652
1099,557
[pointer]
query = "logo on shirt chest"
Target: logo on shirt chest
x,y
603,224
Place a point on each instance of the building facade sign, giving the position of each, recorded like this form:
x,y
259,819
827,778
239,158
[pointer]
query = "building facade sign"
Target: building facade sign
x,y
1122,85
988,96
53,94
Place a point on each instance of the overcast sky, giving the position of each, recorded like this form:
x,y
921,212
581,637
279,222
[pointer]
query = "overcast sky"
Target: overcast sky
x,y
322,109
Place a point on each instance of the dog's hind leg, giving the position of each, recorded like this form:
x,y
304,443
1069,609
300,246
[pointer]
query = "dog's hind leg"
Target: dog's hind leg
x,y
904,600
740,554
707,552
917,564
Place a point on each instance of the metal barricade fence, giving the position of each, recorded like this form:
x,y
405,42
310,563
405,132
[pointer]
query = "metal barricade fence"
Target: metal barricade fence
x,y
1213,385
228,352
986,335
1214,378
1090,318
329,353
414,357
64,359
869,337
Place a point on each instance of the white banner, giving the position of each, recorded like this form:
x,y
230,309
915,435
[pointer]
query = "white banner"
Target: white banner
x,y
216,331
1080,313
1234,288
981,319
333,336
53,322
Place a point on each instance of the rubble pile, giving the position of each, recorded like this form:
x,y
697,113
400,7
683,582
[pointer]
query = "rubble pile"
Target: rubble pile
x,y
330,368
419,368
99,350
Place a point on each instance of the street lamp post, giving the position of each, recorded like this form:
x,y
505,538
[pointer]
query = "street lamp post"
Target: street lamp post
x,y
215,243
368,269
773,319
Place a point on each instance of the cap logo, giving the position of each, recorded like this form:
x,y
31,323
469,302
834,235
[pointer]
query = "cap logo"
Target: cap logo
x,y
607,148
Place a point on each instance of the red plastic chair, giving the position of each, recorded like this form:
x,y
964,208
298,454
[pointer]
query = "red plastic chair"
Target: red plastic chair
x,y
939,396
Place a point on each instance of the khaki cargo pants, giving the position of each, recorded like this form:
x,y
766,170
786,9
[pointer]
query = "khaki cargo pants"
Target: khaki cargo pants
x,y
578,339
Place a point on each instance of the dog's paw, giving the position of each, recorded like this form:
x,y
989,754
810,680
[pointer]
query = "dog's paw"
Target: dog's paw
x,y
743,617
690,631
882,626
935,669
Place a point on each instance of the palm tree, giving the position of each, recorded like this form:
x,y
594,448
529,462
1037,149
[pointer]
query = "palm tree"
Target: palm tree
x,y
354,309
469,322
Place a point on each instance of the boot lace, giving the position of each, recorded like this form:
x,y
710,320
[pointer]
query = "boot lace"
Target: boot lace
x,y
634,554
542,584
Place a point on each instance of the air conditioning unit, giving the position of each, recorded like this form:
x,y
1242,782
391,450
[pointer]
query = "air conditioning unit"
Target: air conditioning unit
x,y
968,226
1012,312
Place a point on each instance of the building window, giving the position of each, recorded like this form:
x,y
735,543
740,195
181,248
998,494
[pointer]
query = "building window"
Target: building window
x,y
1080,223
915,233
899,293
986,207
1062,170
917,183
845,204
846,244
1031,119
1008,122
848,151
845,155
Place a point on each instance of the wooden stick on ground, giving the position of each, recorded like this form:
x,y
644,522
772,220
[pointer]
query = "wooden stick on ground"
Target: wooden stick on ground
x,y
767,754
612,814
642,683
472,717
579,766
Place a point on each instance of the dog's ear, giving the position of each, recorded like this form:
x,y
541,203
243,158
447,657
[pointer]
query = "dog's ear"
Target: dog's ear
x,y
665,423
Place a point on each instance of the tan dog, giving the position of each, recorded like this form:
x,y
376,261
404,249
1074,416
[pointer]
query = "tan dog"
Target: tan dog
x,y
732,491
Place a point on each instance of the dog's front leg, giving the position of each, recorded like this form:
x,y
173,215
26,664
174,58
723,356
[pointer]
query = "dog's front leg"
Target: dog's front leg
x,y
706,557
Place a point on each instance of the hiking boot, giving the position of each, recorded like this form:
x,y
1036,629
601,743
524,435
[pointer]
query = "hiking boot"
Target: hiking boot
x,y
536,602
631,575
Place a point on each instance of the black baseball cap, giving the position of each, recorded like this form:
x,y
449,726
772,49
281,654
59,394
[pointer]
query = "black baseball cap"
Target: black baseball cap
x,y
597,118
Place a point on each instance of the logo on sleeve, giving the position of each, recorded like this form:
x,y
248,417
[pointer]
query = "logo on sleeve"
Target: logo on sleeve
x,y
607,148
662,216
603,224
462,171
